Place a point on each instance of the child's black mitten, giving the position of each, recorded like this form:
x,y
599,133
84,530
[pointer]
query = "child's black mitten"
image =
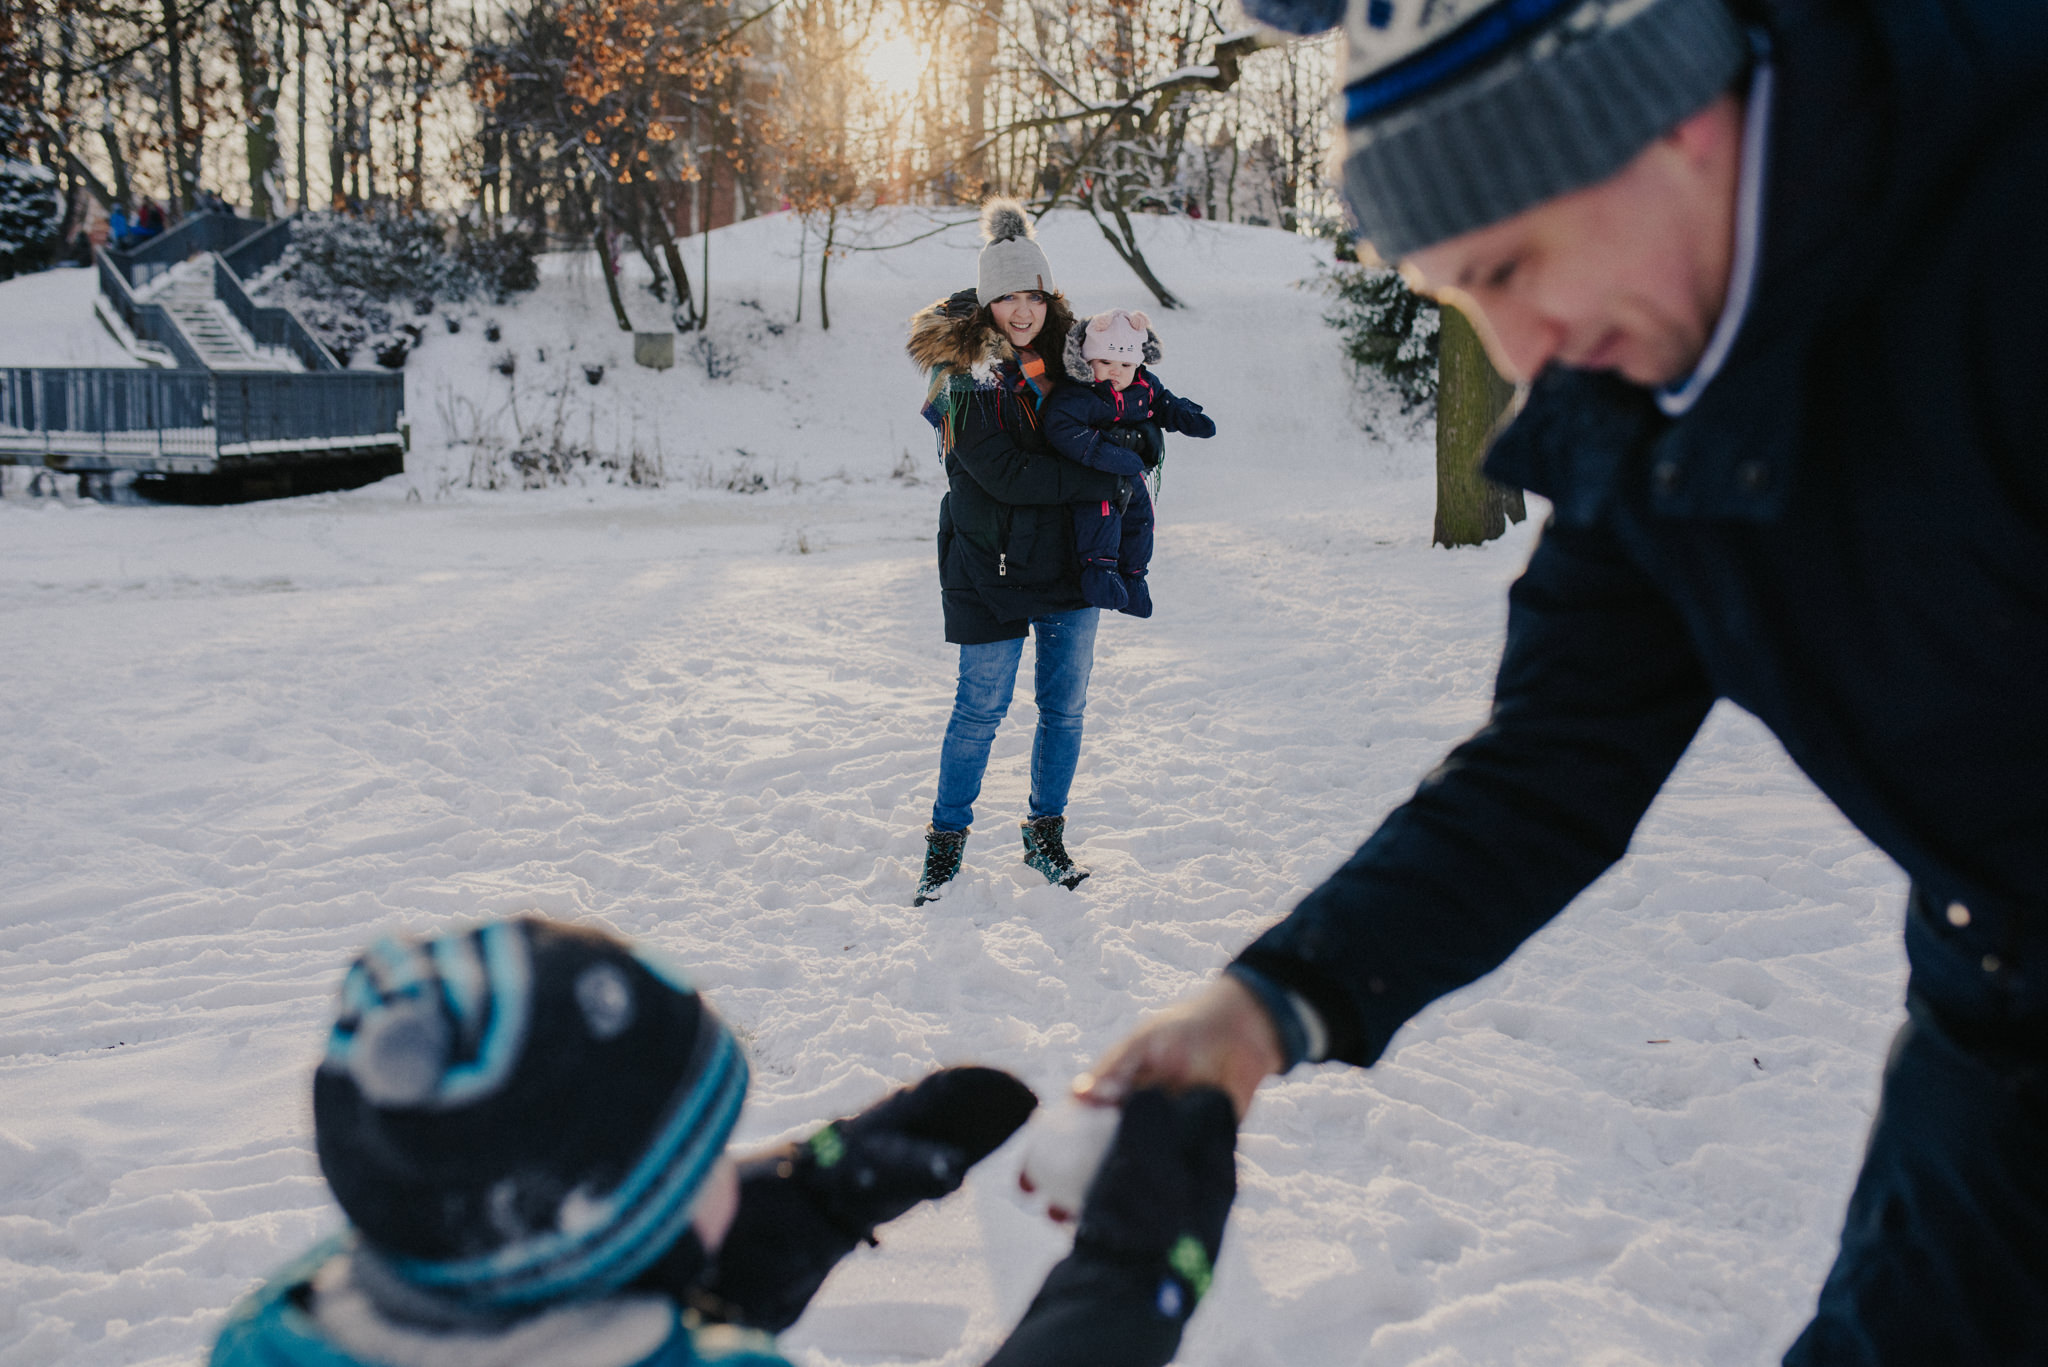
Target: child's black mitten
x,y
1185,415
1164,1190
1149,1235
805,1206
961,304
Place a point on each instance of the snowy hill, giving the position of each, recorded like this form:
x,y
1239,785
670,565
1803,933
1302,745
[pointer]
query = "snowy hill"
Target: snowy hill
x,y
246,740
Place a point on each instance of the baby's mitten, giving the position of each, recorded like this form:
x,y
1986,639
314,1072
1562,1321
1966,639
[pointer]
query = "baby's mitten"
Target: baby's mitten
x,y
1189,418
805,1206
1103,587
1138,595
961,304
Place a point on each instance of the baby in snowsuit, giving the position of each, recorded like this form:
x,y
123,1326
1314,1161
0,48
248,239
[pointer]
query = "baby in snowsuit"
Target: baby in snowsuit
x,y
526,1123
1097,417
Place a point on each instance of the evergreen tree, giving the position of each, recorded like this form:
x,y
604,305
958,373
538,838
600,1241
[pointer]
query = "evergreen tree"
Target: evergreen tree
x,y
31,211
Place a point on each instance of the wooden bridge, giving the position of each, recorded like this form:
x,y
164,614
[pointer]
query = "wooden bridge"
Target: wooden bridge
x,y
230,400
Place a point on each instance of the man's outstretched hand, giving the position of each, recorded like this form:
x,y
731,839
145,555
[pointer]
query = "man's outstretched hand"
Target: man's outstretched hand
x,y
1221,1037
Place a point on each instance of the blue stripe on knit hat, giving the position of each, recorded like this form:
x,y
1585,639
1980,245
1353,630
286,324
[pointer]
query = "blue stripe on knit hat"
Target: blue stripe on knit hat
x,y
479,983
1485,35
621,1233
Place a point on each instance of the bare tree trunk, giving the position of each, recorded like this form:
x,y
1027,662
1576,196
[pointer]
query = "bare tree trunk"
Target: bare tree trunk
x,y
183,174
423,43
1124,242
299,112
337,121
259,102
981,62
704,227
684,314
1471,396
124,190
610,265
803,240
825,265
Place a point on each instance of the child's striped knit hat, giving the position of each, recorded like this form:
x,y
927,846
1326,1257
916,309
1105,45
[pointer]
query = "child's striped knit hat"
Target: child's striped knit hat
x,y
521,1113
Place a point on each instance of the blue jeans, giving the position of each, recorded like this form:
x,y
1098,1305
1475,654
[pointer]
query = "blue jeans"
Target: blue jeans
x,y
988,678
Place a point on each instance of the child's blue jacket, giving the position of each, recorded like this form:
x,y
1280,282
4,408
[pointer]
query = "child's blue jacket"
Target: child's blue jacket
x,y
1078,415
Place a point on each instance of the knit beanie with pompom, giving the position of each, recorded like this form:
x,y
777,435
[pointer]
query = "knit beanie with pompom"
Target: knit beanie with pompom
x,y
521,1113
1012,261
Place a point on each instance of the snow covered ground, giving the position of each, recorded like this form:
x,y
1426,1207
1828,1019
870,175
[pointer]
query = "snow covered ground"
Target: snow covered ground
x,y
47,319
243,741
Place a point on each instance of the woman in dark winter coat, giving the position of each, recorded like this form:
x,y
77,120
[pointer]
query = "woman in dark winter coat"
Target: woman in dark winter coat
x,y
1007,559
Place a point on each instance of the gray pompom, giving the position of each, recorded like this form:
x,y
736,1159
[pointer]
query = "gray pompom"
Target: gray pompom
x,y
399,1054
1003,220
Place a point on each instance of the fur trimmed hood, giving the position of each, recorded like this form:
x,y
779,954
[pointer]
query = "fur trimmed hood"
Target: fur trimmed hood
x,y
1077,335
946,339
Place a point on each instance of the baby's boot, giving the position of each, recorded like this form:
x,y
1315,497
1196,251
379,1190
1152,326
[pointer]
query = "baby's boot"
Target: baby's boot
x,y
1138,595
1103,587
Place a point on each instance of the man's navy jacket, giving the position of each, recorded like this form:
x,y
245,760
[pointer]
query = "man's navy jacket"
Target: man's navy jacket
x,y
1847,535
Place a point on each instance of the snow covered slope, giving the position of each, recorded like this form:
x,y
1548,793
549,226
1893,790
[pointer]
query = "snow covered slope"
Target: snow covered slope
x,y
243,741
47,319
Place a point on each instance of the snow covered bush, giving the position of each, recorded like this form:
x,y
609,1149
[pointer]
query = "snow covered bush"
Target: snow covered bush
x,y
1386,327
341,273
31,212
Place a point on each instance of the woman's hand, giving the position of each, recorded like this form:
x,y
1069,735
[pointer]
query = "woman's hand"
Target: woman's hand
x,y
1220,1037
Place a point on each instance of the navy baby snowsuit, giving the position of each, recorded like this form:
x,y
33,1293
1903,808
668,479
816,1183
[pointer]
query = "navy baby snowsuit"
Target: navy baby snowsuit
x,y
1096,425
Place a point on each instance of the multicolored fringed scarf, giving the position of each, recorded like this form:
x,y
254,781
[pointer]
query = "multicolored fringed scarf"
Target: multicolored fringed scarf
x,y
943,403
950,391
1033,366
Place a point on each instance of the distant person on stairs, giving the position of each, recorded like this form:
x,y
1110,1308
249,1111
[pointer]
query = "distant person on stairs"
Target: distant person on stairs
x,y
1008,565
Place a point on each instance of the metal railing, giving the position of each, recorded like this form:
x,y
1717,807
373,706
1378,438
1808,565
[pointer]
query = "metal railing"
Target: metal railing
x,y
121,416
148,322
260,251
195,234
192,420
258,412
268,325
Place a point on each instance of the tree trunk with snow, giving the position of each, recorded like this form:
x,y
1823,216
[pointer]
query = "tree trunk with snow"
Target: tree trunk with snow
x,y
1471,396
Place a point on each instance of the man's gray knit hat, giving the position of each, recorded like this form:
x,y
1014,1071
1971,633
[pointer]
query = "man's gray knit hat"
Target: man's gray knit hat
x,y
1460,113
1012,261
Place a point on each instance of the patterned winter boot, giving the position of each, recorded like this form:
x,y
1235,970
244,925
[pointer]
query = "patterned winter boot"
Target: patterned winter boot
x,y
941,861
1045,849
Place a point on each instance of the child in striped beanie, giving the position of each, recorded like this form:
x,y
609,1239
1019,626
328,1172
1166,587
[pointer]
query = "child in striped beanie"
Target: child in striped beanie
x,y
526,1122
